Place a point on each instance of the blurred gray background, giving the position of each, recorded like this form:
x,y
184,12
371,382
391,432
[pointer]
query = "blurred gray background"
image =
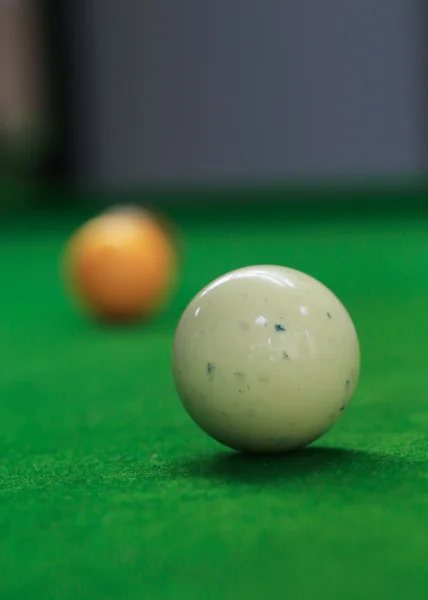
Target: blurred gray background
x,y
226,90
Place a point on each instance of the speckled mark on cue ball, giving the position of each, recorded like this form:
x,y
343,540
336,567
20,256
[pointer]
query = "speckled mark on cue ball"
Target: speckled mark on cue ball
x,y
279,327
210,371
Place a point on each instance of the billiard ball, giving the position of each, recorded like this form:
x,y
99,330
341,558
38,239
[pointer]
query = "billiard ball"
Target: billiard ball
x,y
265,359
120,265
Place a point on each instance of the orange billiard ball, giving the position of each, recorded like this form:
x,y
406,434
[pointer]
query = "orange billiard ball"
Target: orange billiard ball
x,y
121,265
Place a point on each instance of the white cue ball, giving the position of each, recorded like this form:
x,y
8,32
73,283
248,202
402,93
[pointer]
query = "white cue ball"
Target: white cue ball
x,y
265,359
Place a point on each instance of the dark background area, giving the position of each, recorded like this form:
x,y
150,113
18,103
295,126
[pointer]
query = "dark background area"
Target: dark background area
x,y
160,93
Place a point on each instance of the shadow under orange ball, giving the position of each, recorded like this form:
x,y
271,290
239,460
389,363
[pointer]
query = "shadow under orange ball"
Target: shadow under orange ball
x,y
121,266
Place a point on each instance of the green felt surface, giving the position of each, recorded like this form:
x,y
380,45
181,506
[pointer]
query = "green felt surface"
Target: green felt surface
x,y
109,491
